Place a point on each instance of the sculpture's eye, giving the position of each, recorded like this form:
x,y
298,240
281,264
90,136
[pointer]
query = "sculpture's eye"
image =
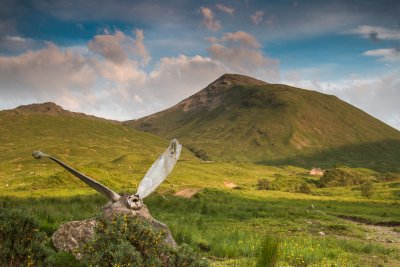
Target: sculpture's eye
x,y
136,200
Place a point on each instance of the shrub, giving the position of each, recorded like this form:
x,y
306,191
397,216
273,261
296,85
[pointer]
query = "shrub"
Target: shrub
x,y
130,241
269,252
263,184
341,176
389,177
304,188
367,189
63,259
21,242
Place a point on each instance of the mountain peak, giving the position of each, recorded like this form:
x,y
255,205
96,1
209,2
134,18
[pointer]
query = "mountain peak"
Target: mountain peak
x,y
237,79
51,109
212,95
42,108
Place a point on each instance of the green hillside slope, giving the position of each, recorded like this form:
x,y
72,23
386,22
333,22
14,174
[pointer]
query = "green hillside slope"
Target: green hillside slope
x,y
113,154
84,141
243,119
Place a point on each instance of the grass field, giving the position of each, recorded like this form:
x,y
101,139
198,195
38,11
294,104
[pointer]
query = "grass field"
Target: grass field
x,y
227,225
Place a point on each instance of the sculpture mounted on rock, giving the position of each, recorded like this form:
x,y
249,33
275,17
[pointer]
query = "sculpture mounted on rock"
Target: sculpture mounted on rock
x,y
72,235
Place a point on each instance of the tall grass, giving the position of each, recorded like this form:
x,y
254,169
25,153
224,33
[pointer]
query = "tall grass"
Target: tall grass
x,y
231,226
269,252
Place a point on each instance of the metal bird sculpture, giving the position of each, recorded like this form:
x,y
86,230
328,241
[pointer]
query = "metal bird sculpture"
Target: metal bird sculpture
x,y
72,235
153,178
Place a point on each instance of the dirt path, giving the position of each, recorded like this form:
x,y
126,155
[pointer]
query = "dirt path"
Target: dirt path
x,y
380,234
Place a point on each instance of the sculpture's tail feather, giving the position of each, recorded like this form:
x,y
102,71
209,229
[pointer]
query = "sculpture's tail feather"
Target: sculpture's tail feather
x,y
160,169
89,181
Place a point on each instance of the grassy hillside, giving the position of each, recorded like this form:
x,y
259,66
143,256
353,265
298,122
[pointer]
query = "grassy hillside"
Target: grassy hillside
x,y
110,152
242,119
84,142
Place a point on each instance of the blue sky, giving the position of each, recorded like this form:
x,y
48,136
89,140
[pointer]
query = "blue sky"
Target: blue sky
x,y
127,59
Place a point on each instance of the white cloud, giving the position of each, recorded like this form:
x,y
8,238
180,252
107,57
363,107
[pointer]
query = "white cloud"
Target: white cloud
x,y
385,54
257,17
226,9
16,39
376,33
208,19
241,53
45,71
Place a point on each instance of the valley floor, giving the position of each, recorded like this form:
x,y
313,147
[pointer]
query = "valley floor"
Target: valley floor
x,y
227,225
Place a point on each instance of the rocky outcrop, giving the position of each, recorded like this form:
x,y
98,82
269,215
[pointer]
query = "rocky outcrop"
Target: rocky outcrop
x,y
71,236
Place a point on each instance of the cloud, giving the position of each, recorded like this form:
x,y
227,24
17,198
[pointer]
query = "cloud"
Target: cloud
x,y
385,54
226,9
140,47
16,39
111,46
241,53
119,47
257,17
376,33
208,19
47,71
16,44
241,37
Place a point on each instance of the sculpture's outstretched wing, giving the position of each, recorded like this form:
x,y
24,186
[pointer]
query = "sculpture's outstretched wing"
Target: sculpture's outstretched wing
x,y
92,183
160,169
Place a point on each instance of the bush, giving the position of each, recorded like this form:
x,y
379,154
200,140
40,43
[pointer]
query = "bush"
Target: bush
x,y
341,176
304,188
269,252
130,241
389,177
21,242
63,259
367,189
263,184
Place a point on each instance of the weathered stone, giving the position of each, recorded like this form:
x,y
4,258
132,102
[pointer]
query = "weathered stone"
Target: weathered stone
x,y
71,236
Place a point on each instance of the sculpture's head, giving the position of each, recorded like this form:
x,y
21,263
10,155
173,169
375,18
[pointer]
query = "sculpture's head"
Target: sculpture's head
x,y
134,202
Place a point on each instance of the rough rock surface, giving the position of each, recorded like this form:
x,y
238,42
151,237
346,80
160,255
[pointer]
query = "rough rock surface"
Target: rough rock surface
x,y
73,235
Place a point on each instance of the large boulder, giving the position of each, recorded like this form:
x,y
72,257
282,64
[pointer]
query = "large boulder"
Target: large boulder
x,y
71,236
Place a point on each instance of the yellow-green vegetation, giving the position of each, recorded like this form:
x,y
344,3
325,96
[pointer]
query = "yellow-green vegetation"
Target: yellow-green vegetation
x,y
228,225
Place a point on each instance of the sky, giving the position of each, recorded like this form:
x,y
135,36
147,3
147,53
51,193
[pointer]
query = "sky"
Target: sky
x,y
123,59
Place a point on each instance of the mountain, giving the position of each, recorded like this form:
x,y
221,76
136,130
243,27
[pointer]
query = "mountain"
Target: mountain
x,y
108,150
49,108
239,118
